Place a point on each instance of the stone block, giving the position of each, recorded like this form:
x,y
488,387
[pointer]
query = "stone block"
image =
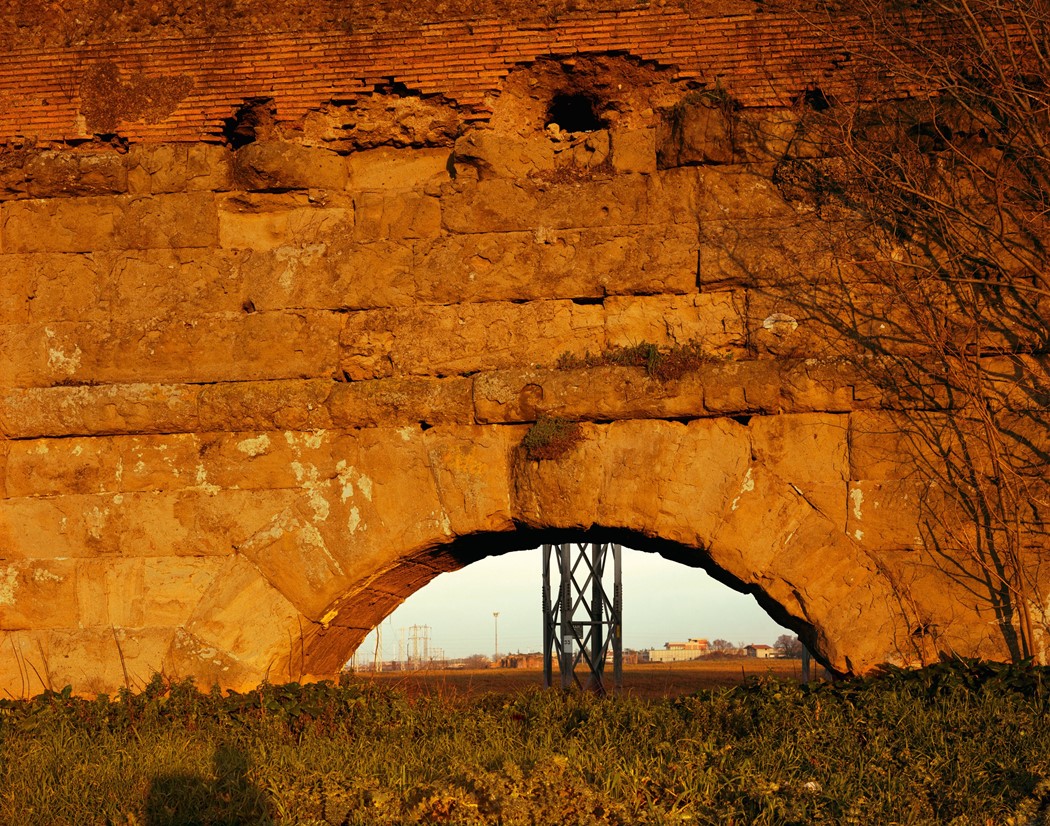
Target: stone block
x,y
471,466
740,192
60,224
273,460
161,462
253,347
633,150
266,405
739,387
54,467
891,514
295,556
17,277
166,221
761,135
465,338
786,386
331,275
764,518
396,402
60,174
279,165
565,492
770,253
700,131
809,452
41,528
804,447
262,221
496,155
93,661
714,321
501,205
35,355
239,590
398,170
595,393
135,593
574,263
172,167
88,410
791,325
833,386
38,593
881,445
407,215
375,491
159,284
68,287
690,472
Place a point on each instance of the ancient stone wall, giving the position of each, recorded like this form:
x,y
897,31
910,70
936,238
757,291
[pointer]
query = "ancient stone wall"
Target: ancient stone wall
x,y
273,331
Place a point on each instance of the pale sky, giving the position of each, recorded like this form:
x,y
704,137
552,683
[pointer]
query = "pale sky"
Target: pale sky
x,y
662,601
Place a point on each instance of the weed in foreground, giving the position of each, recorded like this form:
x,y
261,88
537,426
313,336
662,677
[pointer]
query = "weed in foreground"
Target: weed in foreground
x,y
963,743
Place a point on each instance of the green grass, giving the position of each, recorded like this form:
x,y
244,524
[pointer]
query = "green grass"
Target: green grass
x,y
958,744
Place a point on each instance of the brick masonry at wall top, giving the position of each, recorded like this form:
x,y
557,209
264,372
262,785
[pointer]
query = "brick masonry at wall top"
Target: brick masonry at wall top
x,y
184,89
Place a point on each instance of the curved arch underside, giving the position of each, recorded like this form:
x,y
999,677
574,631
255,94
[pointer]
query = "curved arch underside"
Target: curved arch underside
x,y
301,542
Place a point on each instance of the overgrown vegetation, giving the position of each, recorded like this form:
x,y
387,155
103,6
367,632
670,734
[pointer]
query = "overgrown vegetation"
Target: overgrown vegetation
x,y
551,438
663,364
964,743
939,206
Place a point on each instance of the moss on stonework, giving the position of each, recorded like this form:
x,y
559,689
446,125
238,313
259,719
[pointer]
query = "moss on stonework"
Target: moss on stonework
x,y
661,364
551,438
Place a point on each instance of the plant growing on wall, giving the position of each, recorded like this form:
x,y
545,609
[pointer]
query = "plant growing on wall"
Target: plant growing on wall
x,y
551,438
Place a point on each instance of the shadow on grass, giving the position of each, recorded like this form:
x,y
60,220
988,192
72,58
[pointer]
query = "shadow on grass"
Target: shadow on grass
x,y
231,798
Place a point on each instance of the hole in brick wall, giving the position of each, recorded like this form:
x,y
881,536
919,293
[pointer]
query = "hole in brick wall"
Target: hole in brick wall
x,y
744,420
395,87
253,120
574,112
815,99
118,142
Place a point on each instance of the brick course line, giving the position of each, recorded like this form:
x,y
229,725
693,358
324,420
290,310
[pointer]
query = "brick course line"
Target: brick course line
x,y
761,60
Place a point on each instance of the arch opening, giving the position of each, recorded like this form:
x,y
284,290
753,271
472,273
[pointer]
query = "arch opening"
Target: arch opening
x,y
663,605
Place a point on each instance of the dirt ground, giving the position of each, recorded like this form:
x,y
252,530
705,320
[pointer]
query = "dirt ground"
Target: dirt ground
x,y
649,680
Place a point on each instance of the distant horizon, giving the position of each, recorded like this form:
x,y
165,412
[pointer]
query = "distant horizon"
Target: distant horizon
x,y
663,601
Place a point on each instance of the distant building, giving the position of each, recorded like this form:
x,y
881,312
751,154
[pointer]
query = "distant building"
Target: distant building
x,y
762,652
534,660
676,652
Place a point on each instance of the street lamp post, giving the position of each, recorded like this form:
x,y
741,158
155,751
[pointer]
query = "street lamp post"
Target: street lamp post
x,y
495,644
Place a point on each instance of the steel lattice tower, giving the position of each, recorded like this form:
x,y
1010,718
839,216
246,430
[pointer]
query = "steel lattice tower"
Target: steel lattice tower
x,y
582,624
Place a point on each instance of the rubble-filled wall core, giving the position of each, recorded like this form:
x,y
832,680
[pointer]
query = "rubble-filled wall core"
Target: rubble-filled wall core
x,y
276,316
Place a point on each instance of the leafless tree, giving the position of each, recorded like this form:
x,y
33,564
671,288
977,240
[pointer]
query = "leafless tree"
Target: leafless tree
x,y
938,205
788,645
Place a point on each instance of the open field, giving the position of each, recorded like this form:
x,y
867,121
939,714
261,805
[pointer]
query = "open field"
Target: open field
x,y
645,680
965,744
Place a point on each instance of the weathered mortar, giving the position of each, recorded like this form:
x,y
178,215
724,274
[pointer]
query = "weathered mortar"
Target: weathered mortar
x,y
251,399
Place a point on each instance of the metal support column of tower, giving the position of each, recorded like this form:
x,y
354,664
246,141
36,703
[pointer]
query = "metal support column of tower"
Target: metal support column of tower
x,y
582,624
